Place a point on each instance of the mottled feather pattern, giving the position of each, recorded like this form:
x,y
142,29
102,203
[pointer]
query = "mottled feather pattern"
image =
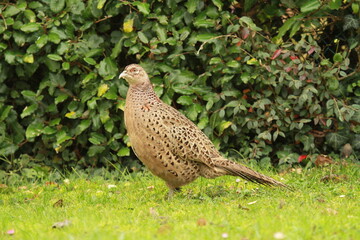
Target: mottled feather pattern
x,y
169,144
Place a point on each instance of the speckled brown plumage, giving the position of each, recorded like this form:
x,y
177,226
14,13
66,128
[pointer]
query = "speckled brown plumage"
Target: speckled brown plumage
x,y
169,144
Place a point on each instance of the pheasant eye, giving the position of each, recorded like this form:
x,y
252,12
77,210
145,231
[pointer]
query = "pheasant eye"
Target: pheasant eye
x,y
134,70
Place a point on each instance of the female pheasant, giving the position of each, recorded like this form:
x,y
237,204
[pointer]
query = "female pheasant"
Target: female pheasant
x,y
169,144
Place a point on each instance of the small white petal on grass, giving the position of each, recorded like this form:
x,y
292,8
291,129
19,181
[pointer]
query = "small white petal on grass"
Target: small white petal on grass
x,y
342,196
224,235
62,224
67,181
238,180
251,203
279,235
110,186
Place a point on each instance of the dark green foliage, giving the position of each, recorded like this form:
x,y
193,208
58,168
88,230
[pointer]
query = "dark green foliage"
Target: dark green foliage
x,y
61,100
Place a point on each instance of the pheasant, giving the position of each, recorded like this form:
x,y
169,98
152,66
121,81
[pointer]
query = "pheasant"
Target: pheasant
x,y
169,144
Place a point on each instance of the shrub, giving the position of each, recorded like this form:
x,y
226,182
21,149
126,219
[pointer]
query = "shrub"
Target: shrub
x,y
61,100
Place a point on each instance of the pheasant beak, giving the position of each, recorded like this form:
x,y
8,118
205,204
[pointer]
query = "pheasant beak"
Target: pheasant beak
x,y
123,74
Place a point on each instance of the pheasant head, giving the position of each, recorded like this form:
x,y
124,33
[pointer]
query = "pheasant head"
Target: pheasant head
x,y
135,75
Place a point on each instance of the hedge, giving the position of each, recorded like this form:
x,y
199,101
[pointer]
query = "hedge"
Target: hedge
x,y
263,79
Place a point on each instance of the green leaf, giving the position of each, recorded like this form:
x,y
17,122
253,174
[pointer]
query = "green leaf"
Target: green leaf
x,y
335,4
333,83
123,152
249,22
57,5
233,64
54,57
71,115
218,3
54,37
205,37
94,150
191,5
34,130
101,4
62,97
90,61
160,32
224,125
118,48
30,27
109,125
193,111
336,139
248,4
97,138
5,112
65,65
84,124
185,100
143,7
49,130
30,15
337,57
61,137
28,110
215,60
41,41
350,21
205,23
203,122
55,122
28,58
107,68
10,11
356,142
28,93
355,8
309,5
142,37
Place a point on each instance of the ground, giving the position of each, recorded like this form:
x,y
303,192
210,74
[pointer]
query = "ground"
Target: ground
x,y
323,205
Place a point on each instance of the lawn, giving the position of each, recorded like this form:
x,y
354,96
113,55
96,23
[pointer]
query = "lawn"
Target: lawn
x,y
324,205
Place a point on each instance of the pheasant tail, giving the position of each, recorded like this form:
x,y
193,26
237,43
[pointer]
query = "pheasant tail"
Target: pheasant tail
x,y
235,169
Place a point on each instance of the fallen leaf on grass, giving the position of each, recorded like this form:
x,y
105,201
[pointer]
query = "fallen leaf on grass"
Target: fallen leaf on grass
x,y
201,222
51,183
150,187
62,224
3,186
59,203
10,232
31,199
334,178
323,160
164,229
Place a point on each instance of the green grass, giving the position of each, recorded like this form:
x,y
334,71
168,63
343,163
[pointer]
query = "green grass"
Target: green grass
x,y
205,209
